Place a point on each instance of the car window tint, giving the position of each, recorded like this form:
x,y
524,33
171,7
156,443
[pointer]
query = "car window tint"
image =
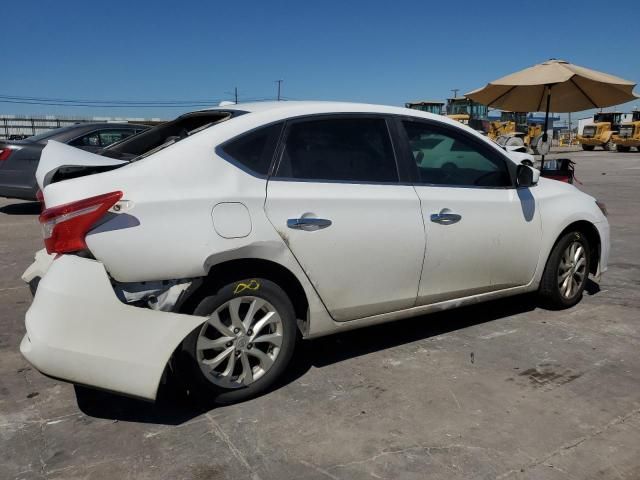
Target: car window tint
x,y
255,149
445,157
340,149
89,140
107,137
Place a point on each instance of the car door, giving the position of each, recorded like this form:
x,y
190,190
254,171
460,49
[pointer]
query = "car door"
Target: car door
x,y
337,201
482,233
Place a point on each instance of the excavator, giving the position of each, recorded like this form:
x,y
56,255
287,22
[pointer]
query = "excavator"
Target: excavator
x,y
629,134
513,129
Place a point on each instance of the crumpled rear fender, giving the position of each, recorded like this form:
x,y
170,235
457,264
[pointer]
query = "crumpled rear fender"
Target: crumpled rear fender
x,y
77,330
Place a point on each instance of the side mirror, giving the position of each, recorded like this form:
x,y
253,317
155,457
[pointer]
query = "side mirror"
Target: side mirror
x,y
526,176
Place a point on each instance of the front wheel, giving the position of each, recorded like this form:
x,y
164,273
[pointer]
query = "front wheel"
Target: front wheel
x,y
245,344
566,272
609,146
587,148
622,148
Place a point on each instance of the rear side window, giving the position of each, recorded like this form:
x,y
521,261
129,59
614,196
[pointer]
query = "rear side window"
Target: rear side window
x,y
254,150
448,157
339,149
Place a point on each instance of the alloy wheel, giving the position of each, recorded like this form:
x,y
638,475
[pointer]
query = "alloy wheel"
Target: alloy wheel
x,y
239,342
572,270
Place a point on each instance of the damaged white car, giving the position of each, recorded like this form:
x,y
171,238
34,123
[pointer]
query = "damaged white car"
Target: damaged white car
x,y
208,246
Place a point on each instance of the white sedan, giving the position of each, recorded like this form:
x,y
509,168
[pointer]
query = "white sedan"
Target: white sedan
x,y
208,246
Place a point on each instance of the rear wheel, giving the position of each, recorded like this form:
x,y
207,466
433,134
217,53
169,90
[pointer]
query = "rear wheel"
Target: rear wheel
x,y
244,346
622,148
609,146
566,272
588,148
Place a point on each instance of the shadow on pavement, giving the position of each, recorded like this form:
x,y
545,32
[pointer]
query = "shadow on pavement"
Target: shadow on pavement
x,y
23,208
591,288
336,348
175,407
171,408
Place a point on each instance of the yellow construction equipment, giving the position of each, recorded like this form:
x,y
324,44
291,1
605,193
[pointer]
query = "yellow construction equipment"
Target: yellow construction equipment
x,y
471,113
513,129
629,134
426,106
600,133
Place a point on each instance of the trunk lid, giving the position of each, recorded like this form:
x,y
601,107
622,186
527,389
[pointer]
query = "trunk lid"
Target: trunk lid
x,y
61,162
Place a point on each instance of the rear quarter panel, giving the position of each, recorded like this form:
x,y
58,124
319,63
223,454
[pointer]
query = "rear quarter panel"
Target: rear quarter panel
x,y
165,229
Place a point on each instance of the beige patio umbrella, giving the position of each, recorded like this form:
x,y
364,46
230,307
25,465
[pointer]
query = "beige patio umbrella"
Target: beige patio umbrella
x,y
557,86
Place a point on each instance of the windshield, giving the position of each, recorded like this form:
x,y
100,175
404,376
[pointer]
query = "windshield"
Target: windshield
x,y
478,110
506,117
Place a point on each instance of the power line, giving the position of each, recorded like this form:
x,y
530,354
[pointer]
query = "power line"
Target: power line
x,y
26,99
105,105
67,102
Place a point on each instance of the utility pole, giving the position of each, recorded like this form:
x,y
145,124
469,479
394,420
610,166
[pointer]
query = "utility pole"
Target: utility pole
x,y
455,92
236,95
279,82
570,131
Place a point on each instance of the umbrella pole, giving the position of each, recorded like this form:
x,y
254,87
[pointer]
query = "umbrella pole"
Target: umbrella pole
x,y
546,125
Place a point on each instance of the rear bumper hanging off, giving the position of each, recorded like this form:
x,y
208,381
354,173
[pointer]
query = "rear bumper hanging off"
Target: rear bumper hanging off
x,y
78,330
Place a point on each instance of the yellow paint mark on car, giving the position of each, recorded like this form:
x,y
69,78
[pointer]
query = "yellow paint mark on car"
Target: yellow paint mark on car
x,y
241,286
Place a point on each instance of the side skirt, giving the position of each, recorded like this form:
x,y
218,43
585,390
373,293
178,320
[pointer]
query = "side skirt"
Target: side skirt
x,y
319,329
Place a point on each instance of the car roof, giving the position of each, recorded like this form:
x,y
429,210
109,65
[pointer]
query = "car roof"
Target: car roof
x,y
299,108
329,106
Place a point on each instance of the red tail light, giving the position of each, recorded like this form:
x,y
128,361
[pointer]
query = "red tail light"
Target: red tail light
x,y
5,152
64,227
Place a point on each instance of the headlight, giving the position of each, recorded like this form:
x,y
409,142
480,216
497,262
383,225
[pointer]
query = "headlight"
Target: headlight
x,y
602,207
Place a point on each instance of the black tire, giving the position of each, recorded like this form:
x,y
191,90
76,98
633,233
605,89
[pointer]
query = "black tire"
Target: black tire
x,y
205,390
588,148
622,148
550,287
609,146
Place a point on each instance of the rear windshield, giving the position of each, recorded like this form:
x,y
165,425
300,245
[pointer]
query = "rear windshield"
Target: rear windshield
x,y
161,136
51,133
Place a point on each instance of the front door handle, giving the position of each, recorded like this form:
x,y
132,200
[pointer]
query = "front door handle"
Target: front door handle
x,y
309,224
445,217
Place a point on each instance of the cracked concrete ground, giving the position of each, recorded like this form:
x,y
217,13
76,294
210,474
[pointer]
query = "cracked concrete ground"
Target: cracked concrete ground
x,y
503,390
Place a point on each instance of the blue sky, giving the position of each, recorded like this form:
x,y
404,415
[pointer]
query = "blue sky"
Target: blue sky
x,y
380,52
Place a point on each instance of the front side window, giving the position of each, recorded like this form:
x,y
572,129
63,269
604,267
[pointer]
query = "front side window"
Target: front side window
x,y
445,157
339,149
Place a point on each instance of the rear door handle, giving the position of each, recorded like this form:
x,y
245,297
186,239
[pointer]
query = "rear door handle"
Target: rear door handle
x,y
308,224
445,218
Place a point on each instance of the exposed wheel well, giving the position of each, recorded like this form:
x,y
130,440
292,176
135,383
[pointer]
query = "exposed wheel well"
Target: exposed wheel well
x,y
593,237
227,272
